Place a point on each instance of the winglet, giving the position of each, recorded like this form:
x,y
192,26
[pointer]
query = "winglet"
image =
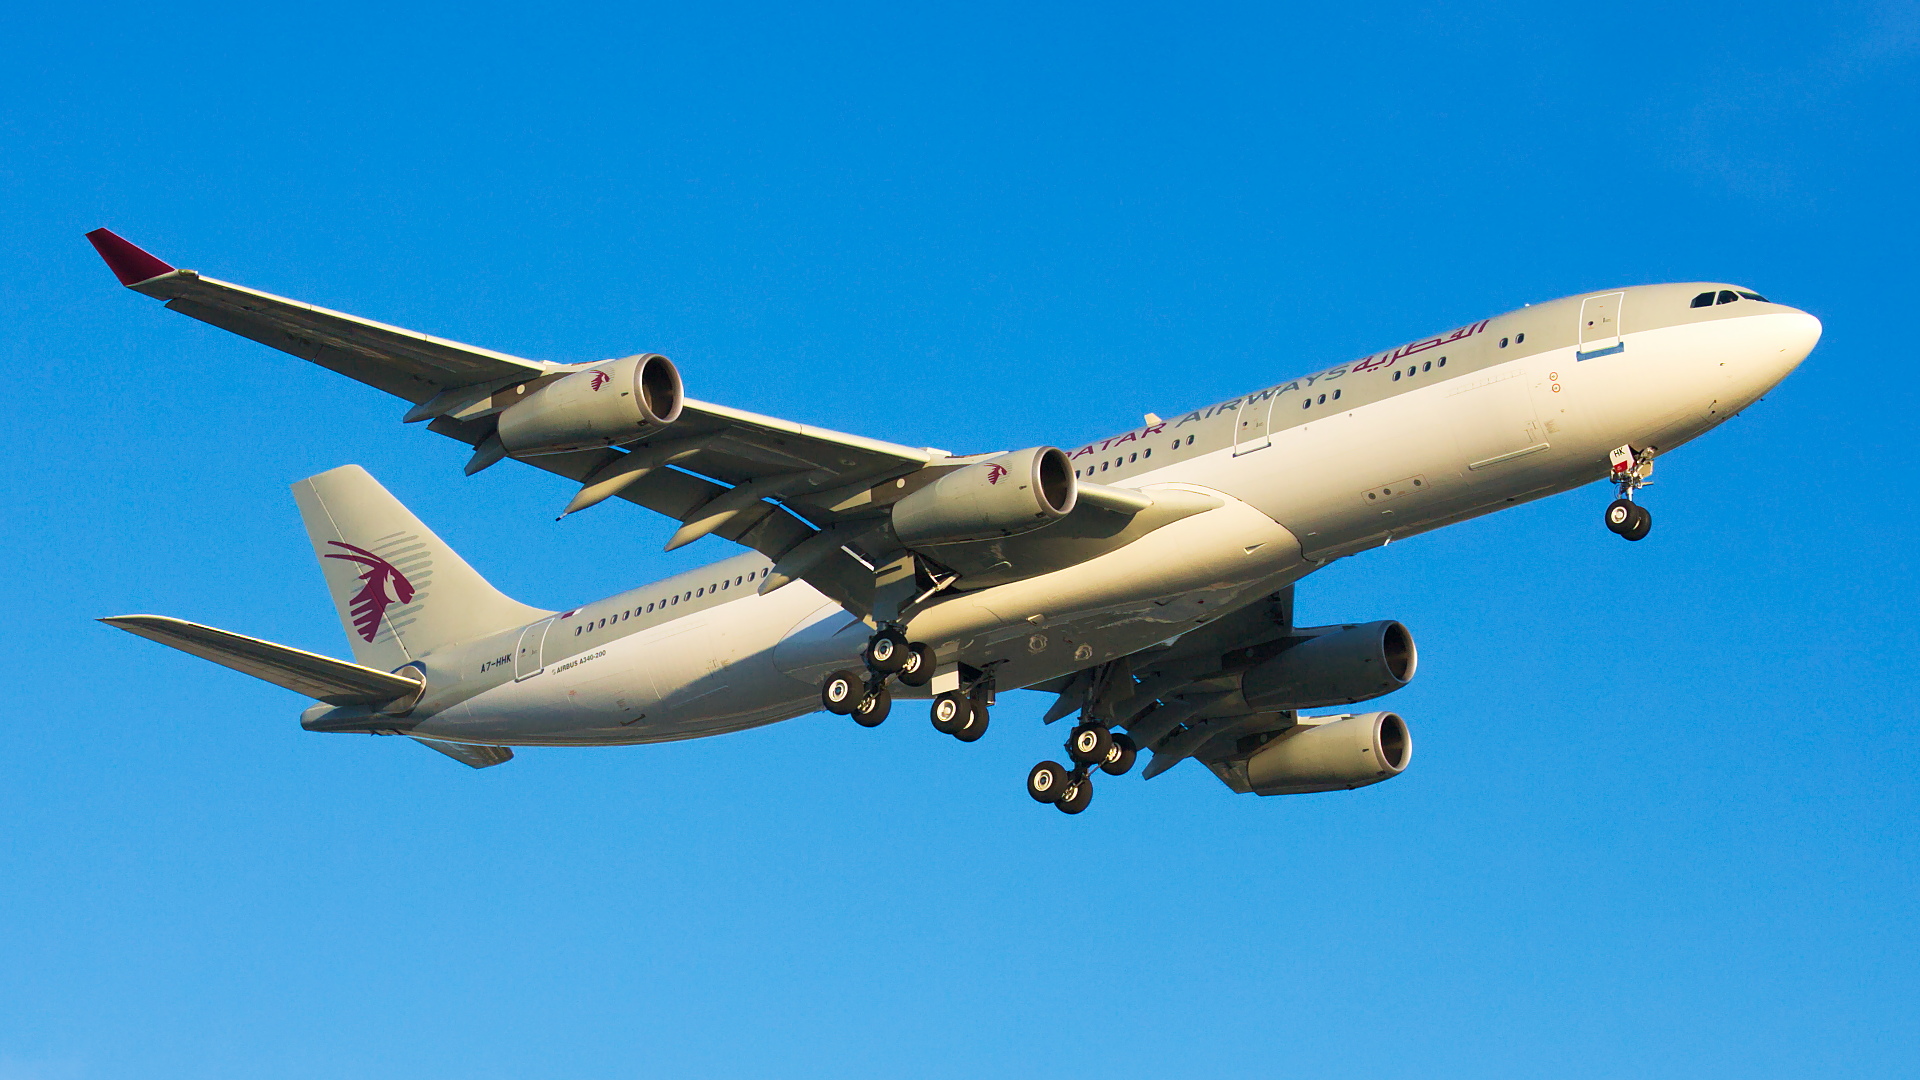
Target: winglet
x,y
128,263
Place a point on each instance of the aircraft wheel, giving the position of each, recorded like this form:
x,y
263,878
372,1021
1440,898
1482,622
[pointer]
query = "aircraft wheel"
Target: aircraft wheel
x,y
1089,744
841,692
1621,515
1119,759
976,725
873,708
1047,780
888,652
1076,796
1642,524
919,669
950,712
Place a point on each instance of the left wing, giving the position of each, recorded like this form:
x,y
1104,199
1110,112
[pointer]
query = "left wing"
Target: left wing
x,y
803,496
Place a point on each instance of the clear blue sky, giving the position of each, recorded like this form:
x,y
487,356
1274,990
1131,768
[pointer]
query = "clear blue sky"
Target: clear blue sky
x,y
1661,817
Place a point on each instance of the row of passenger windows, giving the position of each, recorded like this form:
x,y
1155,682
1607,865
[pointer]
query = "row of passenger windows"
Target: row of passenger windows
x,y
1725,296
1415,369
1308,402
1126,459
671,601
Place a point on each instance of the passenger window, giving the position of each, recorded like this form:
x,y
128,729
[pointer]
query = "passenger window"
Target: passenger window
x,y
1305,402
1443,361
649,607
1503,343
1148,452
701,592
1103,466
1518,338
673,600
576,630
1705,299
1396,374
1428,366
1189,440
1751,295
1336,393
1726,297
1133,457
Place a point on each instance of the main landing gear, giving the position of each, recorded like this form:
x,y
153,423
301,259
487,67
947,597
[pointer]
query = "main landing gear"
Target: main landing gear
x,y
889,655
1631,470
1089,746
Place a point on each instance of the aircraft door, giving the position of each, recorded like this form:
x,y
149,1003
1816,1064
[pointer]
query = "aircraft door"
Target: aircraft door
x,y
1494,421
1251,427
1600,326
529,658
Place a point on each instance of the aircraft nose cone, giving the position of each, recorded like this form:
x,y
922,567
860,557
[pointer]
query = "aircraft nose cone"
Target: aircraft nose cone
x,y
1799,333
1776,344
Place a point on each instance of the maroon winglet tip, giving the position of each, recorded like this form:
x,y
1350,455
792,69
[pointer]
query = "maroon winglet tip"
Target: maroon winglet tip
x,y
128,263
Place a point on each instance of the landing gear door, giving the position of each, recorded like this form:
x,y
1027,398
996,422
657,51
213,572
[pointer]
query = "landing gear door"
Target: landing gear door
x,y
1600,326
1250,428
529,658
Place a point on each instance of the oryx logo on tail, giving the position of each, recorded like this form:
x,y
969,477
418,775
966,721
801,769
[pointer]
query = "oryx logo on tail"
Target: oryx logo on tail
x,y
370,604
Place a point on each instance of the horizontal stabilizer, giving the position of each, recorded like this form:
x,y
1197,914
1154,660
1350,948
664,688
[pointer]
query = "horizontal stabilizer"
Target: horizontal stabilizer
x,y
323,678
467,754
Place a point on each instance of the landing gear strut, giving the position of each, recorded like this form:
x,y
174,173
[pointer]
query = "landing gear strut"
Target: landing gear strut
x,y
1631,470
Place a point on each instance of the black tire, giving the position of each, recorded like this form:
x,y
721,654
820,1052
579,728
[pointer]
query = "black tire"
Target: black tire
x,y
919,669
1620,516
1046,781
887,652
950,712
872,710
1120,759
841,692
1089,744
1076,796
976,725
1641,526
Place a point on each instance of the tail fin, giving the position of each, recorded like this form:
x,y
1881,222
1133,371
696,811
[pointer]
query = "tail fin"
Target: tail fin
x,y
401,591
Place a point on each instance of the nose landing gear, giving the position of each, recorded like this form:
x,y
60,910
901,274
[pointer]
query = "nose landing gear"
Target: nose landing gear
x,y
1631,472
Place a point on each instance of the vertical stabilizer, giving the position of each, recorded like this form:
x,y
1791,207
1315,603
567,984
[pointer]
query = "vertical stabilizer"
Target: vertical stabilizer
x,y
401,591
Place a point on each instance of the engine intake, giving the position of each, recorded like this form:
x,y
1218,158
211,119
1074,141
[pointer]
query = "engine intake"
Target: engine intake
x,y
1332,753
1340,667
1002,496
608,404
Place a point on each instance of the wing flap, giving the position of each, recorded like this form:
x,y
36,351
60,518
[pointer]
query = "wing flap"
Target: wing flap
x,y
323,678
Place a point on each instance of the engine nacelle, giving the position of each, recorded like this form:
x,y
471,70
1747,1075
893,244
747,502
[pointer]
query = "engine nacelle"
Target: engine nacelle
x,y
1337,668
604,405
1331,754
1003,496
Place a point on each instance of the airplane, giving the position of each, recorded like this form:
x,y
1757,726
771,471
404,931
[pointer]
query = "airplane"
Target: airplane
x,y
1145,579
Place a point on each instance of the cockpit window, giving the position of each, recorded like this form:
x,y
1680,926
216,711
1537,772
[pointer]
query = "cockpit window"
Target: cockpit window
x,y
1705,299
1751,295
1727,296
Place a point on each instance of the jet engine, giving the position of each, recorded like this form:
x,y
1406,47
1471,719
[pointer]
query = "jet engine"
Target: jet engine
x,y
1002,496
1348,664
1331,753
605,405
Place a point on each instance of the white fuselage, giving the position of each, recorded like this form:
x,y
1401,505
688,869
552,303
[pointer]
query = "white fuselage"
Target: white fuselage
x,y
1382,448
